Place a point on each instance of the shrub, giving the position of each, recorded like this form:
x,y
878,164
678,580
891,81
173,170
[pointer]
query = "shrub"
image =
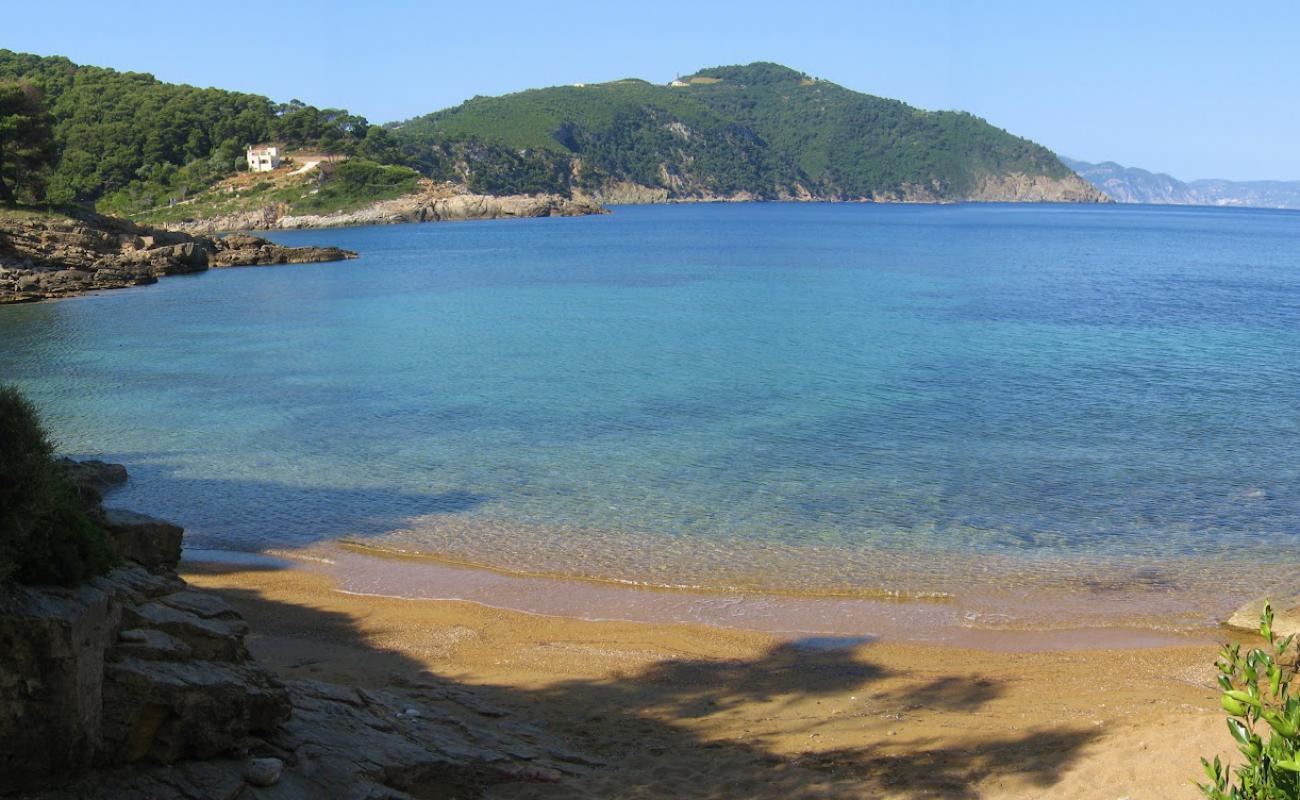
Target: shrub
x,y
1257,696
46,535
356,182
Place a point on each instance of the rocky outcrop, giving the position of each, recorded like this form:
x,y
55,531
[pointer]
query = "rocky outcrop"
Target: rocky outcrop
x,y
434,204
1017,187
96,475
136,685
151,542
120,671
346,742
1012,187
43,257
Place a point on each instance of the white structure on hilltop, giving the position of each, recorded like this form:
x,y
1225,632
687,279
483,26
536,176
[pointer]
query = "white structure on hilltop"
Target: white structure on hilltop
x,y
263,158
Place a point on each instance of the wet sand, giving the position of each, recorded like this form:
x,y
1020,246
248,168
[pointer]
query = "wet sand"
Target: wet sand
x,y
696,711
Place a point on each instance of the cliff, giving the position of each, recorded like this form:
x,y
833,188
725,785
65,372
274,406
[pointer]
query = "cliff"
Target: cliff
x,y
136,685
44,255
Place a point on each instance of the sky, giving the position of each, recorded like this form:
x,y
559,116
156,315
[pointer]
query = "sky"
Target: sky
x,y
1195,89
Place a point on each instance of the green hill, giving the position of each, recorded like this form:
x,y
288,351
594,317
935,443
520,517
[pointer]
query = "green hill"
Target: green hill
x,y
126,140
760,130
128,143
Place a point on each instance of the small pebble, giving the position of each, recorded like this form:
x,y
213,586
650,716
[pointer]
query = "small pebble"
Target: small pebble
x,y
263,771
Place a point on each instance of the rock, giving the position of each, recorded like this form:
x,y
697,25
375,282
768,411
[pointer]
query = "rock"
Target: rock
x,y
136,685
215,639
133,584
52,644
434,203
47,257
165,711
1286,615
150,542
152,645
245,251
98,475
201,604
263,771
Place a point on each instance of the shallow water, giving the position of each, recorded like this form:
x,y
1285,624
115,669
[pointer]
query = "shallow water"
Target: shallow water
x,y
836,399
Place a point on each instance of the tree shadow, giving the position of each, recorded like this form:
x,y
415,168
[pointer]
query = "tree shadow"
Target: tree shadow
x,y
649,725
244,510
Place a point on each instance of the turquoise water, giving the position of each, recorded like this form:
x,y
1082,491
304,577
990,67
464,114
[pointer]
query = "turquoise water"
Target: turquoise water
x,y
808,397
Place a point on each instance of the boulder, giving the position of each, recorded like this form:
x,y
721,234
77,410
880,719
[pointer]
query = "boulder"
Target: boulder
x,y
150,542
1286,615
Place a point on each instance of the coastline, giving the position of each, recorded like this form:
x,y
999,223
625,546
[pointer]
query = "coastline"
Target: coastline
x,y
985,622
694,710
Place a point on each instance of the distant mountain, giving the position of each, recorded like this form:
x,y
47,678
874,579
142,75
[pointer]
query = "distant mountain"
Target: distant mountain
x,y
1132,185
760,131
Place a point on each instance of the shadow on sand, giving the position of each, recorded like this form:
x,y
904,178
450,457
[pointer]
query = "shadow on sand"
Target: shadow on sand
x,y
645,724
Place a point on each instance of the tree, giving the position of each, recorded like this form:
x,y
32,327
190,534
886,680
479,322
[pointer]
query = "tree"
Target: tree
x,y
26,141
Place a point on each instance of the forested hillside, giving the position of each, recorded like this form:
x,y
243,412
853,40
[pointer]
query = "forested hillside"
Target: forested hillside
x,y
762,130
127,143
126,138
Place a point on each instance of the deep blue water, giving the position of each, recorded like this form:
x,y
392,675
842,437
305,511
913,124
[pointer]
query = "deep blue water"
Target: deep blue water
x,y
775,394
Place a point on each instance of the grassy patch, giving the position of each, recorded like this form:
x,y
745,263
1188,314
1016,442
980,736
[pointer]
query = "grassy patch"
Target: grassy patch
x,y
343,186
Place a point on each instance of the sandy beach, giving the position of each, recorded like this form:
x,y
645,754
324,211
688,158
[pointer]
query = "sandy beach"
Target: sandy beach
x,y
677,710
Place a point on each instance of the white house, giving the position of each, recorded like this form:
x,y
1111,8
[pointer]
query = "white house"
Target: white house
x,y
263,158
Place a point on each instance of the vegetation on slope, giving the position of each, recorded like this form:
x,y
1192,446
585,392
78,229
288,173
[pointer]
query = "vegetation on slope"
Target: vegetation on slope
x,y
126,143
763,129
124,138
330,187
46,536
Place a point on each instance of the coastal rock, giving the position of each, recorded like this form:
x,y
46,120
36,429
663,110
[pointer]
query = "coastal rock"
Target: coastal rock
x,y
52,646
137,685
98,475
150,542
49,256
1017,187
1286,615
434,203
164,711
343,742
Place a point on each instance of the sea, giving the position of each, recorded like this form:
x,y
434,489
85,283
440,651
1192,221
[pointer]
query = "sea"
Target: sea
x,y
903,402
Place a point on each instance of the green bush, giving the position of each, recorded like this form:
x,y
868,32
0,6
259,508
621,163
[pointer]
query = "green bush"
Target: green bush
x,y
46,535
357,182
1257,696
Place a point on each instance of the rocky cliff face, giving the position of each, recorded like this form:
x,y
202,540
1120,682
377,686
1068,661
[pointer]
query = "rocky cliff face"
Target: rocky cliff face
x,y
44,256
1012,187
138,686
1018,187
424,206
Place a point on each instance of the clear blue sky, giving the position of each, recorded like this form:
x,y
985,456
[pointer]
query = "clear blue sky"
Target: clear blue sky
x,y
1196,89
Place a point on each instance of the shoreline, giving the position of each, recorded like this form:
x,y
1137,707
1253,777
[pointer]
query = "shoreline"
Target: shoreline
x,y
943,622
692,710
